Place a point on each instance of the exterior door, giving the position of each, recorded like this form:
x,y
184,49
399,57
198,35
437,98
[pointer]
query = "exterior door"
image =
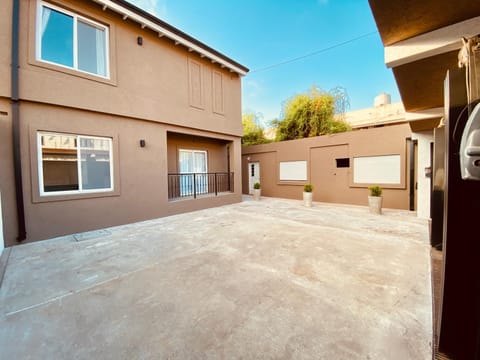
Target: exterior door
x,y
253,175
193,170
329,170
415,170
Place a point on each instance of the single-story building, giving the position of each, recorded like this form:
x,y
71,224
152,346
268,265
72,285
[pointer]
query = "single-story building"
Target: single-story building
x,y
340,167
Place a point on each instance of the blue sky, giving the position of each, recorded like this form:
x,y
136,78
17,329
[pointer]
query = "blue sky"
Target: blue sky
x,y
261,33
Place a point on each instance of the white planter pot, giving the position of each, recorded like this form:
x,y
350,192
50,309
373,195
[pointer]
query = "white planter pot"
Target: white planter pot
x,y
257,194
375,204
307,198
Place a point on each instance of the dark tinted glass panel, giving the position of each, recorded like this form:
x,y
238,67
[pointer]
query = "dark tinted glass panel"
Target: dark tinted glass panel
x,y
343,162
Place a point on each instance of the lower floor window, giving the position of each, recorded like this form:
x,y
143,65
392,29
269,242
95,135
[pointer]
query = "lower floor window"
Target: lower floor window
x,y
70,164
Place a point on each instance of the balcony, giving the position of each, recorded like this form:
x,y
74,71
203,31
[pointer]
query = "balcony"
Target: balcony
x,y
193,185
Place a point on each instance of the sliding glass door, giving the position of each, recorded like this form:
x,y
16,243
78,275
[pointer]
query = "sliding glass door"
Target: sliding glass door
x,y
193,170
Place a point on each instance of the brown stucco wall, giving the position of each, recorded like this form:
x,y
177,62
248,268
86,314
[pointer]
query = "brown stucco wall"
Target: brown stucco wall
x,y
216,151
148,95
7,180
332,184
5,55
149,82
140,174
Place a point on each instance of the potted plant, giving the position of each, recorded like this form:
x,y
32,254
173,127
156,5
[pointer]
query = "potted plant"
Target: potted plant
x,y
375,199
256,191
307,195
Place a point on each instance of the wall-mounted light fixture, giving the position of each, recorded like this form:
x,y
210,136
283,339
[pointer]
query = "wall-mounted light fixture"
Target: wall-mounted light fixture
x,y
139,40
142,143
428,172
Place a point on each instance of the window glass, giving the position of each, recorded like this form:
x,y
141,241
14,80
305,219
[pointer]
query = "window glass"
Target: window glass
x,y
186,161
59,161
95,160
60,170
57,37
70,40
91,49
343,162
193,167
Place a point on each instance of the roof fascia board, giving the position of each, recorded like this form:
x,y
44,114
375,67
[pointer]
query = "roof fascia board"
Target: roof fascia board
x,y
432,113
433,43
144,22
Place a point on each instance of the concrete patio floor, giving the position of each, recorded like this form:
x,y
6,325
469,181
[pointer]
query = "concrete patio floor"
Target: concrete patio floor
x,y
265,279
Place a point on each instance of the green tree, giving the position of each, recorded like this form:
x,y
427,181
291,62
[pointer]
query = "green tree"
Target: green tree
x,y
312,114
252,130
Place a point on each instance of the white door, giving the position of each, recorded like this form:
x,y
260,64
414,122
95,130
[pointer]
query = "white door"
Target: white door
x,y
253,175
193,163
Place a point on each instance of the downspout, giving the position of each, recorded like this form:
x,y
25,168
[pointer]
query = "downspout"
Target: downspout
x,y
17,162
412,174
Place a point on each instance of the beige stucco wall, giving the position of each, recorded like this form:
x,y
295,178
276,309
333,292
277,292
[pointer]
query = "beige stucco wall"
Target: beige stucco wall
x,y
332,184
376,115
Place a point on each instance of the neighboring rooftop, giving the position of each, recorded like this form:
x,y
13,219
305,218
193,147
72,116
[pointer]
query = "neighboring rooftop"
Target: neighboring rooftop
x,y
382,113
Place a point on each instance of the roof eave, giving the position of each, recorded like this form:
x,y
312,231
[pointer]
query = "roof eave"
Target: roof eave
x,y
146,20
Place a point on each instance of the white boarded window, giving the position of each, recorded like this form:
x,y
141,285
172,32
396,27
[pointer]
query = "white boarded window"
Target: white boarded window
x,y
377,169
293,170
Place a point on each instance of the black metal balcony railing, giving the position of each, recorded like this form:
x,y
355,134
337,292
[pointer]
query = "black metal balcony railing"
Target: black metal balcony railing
x,y
194,184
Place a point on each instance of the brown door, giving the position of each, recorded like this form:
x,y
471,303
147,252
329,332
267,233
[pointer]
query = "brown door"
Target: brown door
x,y
330,171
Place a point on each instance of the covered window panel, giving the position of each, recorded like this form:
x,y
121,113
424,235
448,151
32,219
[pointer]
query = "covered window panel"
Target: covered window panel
x,y
70,164
384,169
70,40
293,170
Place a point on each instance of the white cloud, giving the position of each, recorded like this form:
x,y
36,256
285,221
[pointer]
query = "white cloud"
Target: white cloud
x,y
252,88
157,8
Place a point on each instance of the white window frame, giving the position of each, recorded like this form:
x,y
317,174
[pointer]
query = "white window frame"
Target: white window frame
x,y
204,189
79,165
76,17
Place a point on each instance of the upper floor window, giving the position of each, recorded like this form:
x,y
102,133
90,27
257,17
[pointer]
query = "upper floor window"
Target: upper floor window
x,y
70,40
72,164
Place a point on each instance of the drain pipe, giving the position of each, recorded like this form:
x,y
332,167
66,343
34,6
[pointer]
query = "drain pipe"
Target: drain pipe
x,y
17,162
413,185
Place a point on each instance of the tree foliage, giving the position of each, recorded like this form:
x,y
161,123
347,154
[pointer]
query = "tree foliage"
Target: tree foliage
x,y
252,130
312,114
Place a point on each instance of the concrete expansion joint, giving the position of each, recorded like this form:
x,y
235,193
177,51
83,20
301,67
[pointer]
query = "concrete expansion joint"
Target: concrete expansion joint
x,y
3,263
86,288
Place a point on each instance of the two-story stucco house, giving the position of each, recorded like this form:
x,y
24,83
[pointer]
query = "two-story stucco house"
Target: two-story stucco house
x,y
108,115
